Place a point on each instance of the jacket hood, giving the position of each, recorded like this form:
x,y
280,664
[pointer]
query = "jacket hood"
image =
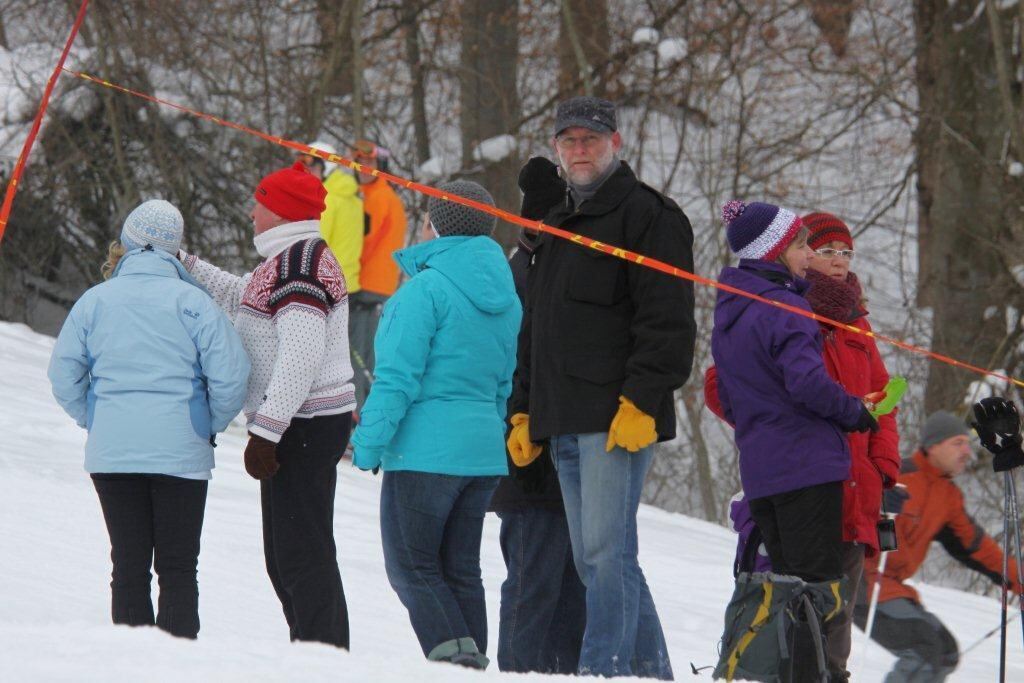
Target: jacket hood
x,y
757,277
476,266
147,261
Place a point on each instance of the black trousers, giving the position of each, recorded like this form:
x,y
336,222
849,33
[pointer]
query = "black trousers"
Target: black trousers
x,y
802,531
154,521
298,529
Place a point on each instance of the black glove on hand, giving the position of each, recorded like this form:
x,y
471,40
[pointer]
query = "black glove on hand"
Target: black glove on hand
x,y
865,422
894,498
542,188
531,478
998,425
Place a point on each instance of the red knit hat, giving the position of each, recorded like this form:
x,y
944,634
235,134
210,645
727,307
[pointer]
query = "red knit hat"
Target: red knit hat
x,y
823,228
292,193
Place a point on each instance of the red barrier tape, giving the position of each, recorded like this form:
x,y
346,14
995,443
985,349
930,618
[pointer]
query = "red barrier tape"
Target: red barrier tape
x,y
19,167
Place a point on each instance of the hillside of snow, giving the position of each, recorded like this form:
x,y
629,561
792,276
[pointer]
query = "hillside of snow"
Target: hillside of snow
x,y
54,575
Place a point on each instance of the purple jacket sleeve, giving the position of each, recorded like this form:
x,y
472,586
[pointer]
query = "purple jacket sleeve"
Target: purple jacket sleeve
x,y
798,354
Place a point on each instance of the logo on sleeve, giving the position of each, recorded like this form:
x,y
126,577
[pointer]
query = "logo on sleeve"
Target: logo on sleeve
x,y
190,313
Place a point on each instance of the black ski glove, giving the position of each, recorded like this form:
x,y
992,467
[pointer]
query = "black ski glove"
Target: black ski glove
x,y
542,188
894,498
865,422
998,425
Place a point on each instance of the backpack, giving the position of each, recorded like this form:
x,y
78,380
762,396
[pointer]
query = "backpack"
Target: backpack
x,y
774,628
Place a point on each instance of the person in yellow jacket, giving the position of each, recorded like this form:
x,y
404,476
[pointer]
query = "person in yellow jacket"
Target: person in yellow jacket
x,y
342,224
378,277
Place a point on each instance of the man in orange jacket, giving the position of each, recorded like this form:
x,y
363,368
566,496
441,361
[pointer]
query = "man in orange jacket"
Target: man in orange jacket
x,y
932,510
378,275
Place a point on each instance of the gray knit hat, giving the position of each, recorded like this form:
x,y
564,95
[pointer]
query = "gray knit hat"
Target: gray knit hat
x,y
156,222
450,219
942,425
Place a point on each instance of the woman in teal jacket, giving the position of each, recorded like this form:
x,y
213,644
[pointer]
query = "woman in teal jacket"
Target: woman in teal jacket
x,y
149,365
435,421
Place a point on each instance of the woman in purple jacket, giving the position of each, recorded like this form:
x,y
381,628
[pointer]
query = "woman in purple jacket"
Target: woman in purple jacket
x,y
790,416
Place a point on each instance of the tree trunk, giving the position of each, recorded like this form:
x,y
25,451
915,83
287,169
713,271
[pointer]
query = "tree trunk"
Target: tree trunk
x,y
336,62
584,42
702,459
490,99
358,105
3,34
968,204
410,17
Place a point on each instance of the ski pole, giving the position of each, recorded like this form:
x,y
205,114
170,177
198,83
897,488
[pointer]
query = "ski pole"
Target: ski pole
x,y
876,589
985,637
1015,510
1009,505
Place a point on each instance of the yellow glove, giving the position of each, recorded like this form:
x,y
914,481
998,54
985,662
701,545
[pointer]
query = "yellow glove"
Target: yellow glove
x,y
522,450
631,429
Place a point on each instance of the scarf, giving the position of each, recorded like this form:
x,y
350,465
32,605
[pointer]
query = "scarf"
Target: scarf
x,y
836,299
272,242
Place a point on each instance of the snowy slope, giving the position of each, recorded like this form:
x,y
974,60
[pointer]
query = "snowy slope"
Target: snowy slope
x,y
54,571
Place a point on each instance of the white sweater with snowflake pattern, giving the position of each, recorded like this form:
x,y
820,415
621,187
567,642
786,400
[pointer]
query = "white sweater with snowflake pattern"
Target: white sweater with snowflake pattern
x,y
292,315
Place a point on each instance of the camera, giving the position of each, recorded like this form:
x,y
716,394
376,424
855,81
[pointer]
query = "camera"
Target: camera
x,y
886,528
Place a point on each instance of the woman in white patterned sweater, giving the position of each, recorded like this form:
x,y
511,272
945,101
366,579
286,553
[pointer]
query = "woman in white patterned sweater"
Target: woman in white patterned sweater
x,y
292,315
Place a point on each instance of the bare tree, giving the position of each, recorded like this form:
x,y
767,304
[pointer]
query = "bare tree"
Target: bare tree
x,y
489,98
969,201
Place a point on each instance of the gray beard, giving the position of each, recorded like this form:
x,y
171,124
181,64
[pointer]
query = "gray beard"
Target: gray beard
x,y
586,191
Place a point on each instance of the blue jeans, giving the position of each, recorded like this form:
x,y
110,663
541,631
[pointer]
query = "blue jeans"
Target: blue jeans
x,y
543,602
431,525
602,495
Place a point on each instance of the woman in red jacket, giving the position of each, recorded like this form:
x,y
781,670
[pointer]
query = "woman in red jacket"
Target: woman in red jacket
x,y
854,362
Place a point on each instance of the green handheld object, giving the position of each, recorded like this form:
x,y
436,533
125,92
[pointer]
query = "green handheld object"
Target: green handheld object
x,y
894,391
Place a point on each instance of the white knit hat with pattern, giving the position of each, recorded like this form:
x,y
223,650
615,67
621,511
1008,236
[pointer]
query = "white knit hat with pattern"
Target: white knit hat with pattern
x,y
155,222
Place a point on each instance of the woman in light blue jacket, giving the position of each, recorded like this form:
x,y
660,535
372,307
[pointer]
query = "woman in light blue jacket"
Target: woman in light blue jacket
x,y
435,421
149,365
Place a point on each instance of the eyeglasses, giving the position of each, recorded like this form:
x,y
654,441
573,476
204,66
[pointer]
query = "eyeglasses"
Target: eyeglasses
x,y
567,142
830,253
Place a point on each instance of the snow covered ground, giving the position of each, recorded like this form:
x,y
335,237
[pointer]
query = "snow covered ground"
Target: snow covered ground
x,y
54,574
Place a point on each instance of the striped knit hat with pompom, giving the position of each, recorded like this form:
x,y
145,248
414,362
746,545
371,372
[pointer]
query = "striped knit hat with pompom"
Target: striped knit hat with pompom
x,y
758,230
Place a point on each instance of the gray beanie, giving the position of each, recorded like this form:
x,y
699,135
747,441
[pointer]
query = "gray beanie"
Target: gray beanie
x,y
450,219
156,222
942,425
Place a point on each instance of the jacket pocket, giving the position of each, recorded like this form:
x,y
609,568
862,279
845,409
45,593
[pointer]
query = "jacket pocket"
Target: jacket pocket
x,y
199,409
90,408
857,345
596,369
597,279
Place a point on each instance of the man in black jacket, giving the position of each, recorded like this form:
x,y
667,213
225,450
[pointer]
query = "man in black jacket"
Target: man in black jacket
x,y
604,345
543,602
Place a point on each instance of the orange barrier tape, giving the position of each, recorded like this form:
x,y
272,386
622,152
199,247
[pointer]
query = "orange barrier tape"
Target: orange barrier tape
x,y
19,167
611,250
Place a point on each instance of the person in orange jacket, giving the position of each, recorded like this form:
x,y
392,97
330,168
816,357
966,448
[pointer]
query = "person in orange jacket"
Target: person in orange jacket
x,y
378,276
931,508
